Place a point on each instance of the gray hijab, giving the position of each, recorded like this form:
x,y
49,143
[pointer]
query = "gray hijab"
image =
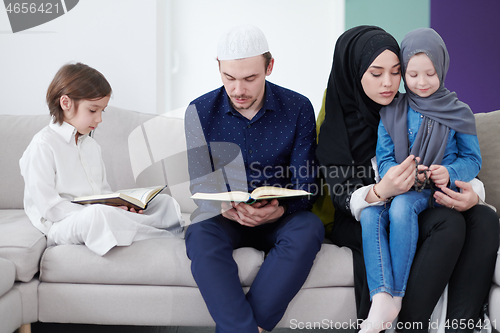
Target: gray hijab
x,y
442,110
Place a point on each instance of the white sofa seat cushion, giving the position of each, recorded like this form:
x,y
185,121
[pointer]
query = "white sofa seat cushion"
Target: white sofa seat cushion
x,y
11,316
496,274
332,267
161,262
494,305
21,243
7,276
164,262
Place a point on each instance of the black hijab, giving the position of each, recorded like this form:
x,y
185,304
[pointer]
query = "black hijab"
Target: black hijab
x,y
348,135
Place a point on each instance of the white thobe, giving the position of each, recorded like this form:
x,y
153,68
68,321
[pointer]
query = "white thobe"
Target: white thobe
x,y
57,169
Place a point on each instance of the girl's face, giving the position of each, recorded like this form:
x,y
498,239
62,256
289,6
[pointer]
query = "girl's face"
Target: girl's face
x,y
381,80
86,116
421,76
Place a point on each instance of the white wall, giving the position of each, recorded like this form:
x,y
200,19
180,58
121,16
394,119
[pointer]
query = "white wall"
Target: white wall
x,y
301,36
158,55
117,37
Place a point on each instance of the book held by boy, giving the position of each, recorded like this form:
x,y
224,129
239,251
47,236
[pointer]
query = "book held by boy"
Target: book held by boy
x,y
137,198
260,193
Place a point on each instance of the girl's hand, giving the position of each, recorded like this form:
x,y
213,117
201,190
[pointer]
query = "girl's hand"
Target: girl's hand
x,y
455,200
421,176
398,179
132,210
439,175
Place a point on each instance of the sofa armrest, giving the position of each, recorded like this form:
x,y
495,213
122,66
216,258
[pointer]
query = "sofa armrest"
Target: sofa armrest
x,y
21,243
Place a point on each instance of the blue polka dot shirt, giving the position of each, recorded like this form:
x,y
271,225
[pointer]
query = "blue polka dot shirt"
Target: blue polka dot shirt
x,y
277,145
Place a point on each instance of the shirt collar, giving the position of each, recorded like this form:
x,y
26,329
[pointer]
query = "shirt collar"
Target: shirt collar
x,y
66,131
268,101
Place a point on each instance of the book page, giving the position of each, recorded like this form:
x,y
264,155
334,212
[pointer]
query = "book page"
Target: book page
x,y
225,196
142,194
265,191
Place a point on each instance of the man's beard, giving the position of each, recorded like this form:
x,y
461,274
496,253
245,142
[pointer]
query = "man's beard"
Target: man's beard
x,y
241,108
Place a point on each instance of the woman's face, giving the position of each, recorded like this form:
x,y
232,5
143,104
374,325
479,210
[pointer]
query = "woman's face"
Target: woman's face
x,y
381,80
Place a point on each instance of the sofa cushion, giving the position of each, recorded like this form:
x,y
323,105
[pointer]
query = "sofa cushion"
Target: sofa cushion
x,y
16,133
332,267
113,135
21,243
164,262
160,262
11,311
496,274
28,291
145,150
488,125
7,276
494,306
167,142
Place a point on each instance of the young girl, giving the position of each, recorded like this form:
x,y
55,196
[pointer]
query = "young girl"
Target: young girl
x,y
428,122
63,162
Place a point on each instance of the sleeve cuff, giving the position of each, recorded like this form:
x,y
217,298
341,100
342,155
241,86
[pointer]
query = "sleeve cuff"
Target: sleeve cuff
x,y
358,202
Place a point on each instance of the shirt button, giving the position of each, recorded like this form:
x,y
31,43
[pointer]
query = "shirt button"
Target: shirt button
x,y
250,151
249,126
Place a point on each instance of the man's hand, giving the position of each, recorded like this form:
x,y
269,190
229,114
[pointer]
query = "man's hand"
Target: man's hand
x,y
455,200
439,175
253,215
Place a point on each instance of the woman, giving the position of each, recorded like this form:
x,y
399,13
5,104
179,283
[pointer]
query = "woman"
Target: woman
x,y
456,246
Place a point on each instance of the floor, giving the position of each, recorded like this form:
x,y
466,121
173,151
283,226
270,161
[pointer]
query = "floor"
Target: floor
x,y
59,328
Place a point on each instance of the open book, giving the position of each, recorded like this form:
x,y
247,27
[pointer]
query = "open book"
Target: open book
x,y
137,198
260,193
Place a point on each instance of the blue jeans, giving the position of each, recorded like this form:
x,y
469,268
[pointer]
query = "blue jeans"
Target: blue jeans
x,y
390,234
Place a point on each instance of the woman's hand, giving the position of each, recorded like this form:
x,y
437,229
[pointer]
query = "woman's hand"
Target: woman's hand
x,y
398,179
455,200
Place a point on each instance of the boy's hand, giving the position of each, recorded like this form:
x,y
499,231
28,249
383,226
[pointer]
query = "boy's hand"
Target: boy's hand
x,y
132,210
439,175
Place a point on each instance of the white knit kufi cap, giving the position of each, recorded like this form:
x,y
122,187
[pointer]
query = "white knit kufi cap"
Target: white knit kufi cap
x,y
243,41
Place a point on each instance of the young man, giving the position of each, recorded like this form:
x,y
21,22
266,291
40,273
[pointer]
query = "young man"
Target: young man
x,y
251,133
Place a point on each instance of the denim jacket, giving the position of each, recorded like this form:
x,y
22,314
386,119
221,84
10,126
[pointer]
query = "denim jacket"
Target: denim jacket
x,y
462,156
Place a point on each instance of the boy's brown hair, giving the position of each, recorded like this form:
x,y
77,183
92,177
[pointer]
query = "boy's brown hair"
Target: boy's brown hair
x,y
77,81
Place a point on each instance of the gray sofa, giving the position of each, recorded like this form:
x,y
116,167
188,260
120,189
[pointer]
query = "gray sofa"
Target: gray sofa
x,y
150,282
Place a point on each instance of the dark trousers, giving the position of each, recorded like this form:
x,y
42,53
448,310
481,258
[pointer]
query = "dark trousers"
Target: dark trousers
x,y
291,243
454,248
